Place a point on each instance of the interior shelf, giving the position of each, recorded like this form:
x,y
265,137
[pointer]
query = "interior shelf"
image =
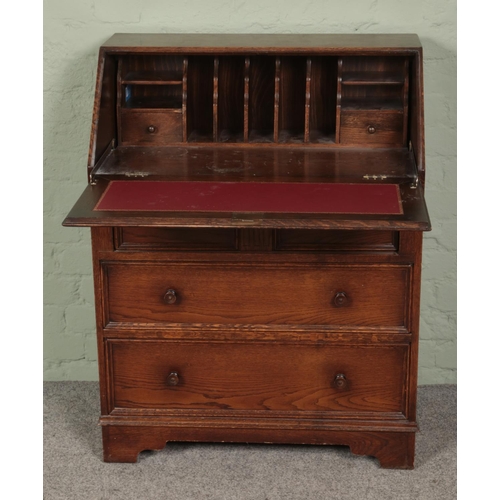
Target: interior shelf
x,y
353,103
372,78
154,101
150,77
382,97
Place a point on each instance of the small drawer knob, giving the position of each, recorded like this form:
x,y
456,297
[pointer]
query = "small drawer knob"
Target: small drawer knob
x,y
340,299
371,129
170,296
173,378
340,381
151,129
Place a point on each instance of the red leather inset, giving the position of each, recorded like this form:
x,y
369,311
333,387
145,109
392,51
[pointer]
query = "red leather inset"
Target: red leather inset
x,y
265,197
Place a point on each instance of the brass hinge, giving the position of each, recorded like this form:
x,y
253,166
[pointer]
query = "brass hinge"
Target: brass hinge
x,y
374,177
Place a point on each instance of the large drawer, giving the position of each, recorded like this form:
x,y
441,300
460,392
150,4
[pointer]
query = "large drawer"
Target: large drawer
x,y
347,296
159,374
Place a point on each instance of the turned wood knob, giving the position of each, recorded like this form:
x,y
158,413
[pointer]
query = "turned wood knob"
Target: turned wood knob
x,y
340,299
371,129
151,129
170,296
340,381
173,378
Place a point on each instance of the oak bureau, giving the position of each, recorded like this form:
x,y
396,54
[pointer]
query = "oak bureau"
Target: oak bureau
x,y
256,205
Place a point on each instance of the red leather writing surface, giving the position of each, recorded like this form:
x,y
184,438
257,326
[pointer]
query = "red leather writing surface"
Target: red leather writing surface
x,y
282,197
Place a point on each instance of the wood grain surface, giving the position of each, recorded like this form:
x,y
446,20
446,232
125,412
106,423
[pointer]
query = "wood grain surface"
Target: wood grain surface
x,y
264,377
258,294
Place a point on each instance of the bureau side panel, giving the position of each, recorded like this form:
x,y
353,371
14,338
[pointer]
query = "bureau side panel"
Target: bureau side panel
x,y
411,245
104,113
102,242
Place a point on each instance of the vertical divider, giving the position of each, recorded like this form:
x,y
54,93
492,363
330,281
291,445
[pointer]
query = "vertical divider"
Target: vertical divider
x,y
184,99
339,101
246,98
119,100
405,100
277,77
307,112
216,100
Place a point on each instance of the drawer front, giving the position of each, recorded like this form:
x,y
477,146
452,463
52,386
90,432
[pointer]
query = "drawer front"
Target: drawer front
x,y
153,128
294,378
357,296
336,241
174,239
371,127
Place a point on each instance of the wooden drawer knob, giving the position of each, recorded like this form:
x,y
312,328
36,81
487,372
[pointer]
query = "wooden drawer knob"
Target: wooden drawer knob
x,y
340,381
170,296
340,299
173,378
151,129
371,129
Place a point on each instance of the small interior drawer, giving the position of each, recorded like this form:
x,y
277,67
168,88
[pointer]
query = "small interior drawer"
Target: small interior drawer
x,y
336,241
174,239
139,127
371,127
165,375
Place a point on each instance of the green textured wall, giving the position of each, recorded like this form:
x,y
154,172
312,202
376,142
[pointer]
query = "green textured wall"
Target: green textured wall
x,y
73,32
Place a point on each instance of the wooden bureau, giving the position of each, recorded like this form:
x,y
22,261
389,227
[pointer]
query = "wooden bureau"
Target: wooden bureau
x,y
256,205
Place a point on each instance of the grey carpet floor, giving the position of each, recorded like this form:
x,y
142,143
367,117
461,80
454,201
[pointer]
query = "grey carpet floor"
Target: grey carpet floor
x,y
73,468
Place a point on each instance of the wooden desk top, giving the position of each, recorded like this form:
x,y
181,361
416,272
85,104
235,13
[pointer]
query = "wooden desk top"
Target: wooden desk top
x,y
271,43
